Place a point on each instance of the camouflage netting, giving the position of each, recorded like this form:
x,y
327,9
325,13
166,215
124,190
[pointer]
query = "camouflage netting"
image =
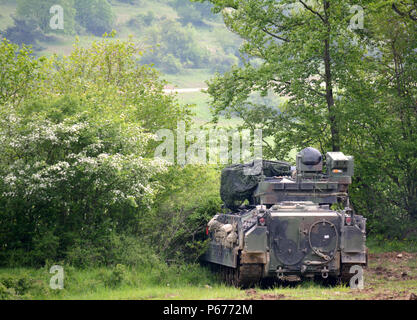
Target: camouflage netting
x,y
224,233
238,186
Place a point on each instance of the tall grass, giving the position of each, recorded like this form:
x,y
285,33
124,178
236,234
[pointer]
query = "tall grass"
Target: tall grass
x,y
381,244
107,283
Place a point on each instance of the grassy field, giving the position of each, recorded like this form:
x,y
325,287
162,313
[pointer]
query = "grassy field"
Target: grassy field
x,y
189,78
201,109
389,276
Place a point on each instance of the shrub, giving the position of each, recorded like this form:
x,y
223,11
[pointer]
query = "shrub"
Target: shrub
x,y
96,16
181,212
20,284
112,249
39,12
116,277
24,31
6,293
173,44
72,180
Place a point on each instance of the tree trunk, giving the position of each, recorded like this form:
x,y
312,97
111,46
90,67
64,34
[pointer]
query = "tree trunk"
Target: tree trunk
x,y
334,129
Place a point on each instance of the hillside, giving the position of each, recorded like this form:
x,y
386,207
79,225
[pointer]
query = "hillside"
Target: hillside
x,y
184,40
141,20
187,57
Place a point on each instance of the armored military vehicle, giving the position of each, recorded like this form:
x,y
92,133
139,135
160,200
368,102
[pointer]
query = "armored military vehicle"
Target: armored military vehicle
x,y
287,223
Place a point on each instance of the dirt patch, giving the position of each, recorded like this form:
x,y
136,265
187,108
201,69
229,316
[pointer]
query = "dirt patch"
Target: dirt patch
x,y
397,268
385,268
253,295
403,295
373,294
272,297
385,279
393,256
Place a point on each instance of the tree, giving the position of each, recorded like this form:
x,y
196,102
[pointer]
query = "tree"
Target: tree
x,y
24,31
96,16
19,73
77,167
70,178
346,89
304,51
381,121
407,8
192,12
174,45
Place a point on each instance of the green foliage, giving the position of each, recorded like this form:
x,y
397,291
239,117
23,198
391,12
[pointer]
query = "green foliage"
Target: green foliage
x,y
203,41
45,247
79,183
347,89
71,179
382,114
174,45
33,19
24,31
192,12
6,293
108,77
96,16
116,277
189,200
19,73
299,54
378,244
221,63
110,249
96,282
15,286
77,168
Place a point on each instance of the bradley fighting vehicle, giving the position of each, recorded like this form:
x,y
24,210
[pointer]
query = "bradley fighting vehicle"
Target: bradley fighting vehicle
x,y
295,224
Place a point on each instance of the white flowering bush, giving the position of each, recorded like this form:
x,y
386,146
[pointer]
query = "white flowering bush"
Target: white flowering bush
x,y
78,180
74,179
